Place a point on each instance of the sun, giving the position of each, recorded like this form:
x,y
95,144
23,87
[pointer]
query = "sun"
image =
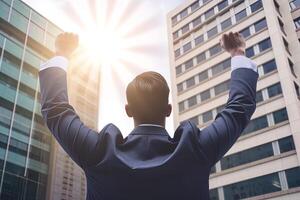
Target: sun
x,y
102,47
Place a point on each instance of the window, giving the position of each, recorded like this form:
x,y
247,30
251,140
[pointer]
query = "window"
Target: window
x,y
197,21
213,169
269,66
174,20
297,22
192,101
190,82
194,120
212,32
177,53
194,6
247,156
256,6
4,10
200,57
260,25
199,40
256,124
215,49
175,35
207,116
188,64
181,106
241,15
291,65
297,89
274,90
264,45
218,68
245,32
187,47
280,116
250,52
225,24
222,5
184,13
179,87
185,29
19,21
292,176
209,13
205,95
213,194
178,70
295,4
220,88
252,187
203,76
259,97
286,144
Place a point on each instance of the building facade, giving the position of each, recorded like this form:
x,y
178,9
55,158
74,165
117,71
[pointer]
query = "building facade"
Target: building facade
x,y
32,165
265,161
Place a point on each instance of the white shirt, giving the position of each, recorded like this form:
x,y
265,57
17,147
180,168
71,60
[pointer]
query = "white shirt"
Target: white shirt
x,y
236,63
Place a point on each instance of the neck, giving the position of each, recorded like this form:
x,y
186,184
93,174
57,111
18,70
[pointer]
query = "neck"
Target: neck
x,y
160,123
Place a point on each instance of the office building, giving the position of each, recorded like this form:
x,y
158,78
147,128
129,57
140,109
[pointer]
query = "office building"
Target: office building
x,y
32,165
265,161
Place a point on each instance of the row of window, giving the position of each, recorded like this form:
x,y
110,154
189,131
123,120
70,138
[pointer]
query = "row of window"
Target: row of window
x,y
212,12
258,185
269,92
250,52
295,4
189,10
216,69
22,17
257,153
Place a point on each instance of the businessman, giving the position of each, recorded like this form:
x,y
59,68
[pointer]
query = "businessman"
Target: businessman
x,y
147,164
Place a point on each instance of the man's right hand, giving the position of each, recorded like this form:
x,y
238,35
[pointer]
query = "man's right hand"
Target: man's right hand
x,y
233,43
66,44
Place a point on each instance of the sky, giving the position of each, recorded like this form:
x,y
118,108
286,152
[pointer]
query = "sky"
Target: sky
x,y
131,36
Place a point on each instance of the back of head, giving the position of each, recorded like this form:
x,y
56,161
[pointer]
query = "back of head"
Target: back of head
x,y
147,97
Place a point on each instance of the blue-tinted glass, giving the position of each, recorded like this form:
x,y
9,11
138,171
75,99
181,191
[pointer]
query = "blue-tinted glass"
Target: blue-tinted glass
x,y
10,67
192,101
187,47
190,82
14,49
197,21
295,4
36,32
260,25
256,6
207,116
185,29
274,90
297,22
250,52
222,87
188,64
286,144
203,76
38,19
225,24
215,49
245,32
241,15
221,67
184,13
201,57
269,66
209,13
259,97
4,10
256,124
222,5
19,21
247,156
28,78
213,194
21,8
265,44
194,6
11,184
280,116
177,53
178,70
293,177
205,95
212,32
199,40
252,187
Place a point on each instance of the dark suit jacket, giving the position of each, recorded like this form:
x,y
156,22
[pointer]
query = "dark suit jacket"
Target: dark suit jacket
x,y
148,164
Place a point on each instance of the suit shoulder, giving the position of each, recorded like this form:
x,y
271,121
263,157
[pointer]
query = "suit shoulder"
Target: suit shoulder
x,y
185,128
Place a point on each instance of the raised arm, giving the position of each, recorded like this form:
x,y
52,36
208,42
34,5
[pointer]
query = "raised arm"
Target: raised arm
x,y
76,139
216,139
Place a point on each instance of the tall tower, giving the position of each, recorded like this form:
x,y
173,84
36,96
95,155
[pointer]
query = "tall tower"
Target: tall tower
x,y
264,162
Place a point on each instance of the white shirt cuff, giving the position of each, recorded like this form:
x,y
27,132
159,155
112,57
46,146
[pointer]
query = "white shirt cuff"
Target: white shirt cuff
x,y
57,61
242,62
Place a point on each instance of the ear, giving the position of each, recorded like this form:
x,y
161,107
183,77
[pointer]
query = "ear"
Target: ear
x,y
128,111
169,110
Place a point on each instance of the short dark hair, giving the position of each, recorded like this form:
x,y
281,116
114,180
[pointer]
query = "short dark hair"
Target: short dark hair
x,y
147,95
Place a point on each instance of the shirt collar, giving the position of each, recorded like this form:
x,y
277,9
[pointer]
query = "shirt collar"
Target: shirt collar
x,y
156,125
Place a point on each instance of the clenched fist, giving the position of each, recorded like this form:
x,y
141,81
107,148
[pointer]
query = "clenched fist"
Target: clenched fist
x,y
233,43
66,44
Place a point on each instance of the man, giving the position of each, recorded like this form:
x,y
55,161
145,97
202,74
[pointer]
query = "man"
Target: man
x,y
147,164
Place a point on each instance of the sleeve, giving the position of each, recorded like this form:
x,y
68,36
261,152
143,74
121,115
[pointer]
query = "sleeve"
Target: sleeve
x,y
216,139
77,140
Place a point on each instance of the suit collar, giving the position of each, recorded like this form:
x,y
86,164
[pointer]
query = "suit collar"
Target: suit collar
x,y
149,129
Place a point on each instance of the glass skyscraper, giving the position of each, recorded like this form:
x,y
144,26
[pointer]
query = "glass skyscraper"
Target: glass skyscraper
x,y
26,40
